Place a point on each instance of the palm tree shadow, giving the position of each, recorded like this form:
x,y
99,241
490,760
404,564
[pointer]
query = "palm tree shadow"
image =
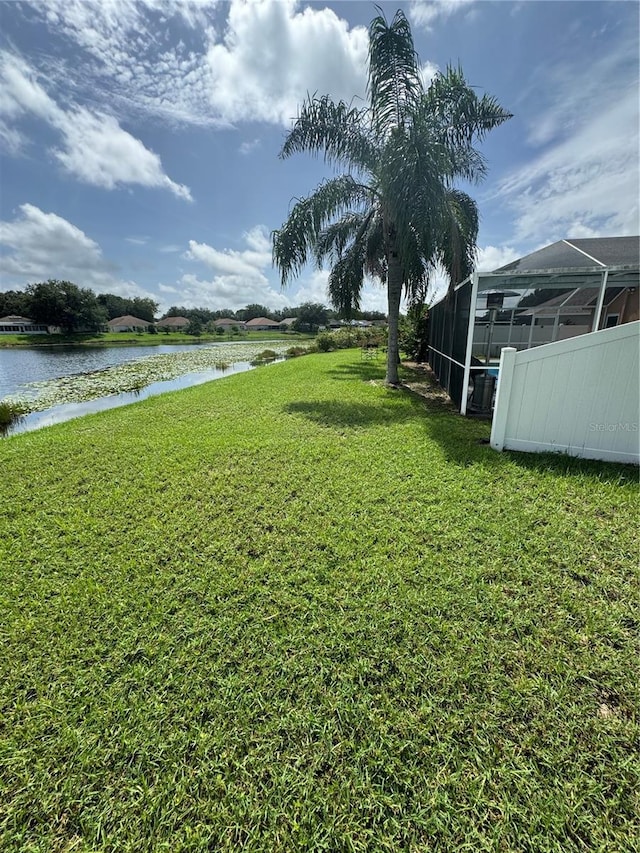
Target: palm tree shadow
x,y
336,414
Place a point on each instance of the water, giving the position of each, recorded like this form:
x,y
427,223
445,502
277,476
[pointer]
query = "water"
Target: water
x,y
68,411
19,367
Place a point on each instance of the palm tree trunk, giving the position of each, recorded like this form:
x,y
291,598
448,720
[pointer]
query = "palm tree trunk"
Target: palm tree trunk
x,y
394,293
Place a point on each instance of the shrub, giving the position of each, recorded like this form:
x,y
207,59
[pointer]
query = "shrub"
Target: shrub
x,y
293,352
10,413
350,337
264,356
325,342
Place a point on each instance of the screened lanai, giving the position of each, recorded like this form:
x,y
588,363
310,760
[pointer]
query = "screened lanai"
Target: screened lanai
x,y
569,288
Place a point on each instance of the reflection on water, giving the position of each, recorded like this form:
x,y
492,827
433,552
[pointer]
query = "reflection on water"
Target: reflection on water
x,y
68,411
19,366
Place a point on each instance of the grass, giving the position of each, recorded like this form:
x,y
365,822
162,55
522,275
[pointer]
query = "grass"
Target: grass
x,y
142,338
293,610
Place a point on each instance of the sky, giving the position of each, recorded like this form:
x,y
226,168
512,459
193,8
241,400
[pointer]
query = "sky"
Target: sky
x,y
139,138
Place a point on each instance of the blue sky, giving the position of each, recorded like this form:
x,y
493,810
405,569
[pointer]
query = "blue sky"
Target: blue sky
x,y
140,137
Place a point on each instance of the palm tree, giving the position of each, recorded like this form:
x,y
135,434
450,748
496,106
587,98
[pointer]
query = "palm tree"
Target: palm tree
x,y
395,214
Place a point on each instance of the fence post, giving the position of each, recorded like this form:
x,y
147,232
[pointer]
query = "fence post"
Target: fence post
x,y
503,397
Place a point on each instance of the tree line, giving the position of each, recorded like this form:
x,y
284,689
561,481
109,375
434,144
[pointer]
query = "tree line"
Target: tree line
x,y
74,309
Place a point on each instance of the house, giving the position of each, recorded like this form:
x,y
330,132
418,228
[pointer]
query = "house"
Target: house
x,y
13,324
287,323
262,324
566,289
228,323
128,324
173,324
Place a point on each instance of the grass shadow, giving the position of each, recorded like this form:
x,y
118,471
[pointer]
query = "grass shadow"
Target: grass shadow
x,y
340,415
365,370
465,440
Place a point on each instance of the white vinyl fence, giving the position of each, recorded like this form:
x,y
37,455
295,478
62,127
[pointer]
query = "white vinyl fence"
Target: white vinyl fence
x,y
579,396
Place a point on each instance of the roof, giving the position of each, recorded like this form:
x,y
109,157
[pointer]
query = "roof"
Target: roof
x,y
579,298
226,321
580,254
127,320
13,319
261,321
173,321
288,321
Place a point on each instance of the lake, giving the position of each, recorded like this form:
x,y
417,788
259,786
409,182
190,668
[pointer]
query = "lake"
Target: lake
x,y
19,366
70,367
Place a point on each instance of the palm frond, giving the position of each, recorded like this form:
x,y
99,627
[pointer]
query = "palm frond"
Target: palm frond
x,y
334,239
375,264
346,280
338,131
294,243
457,236
413,186
463,116
394,84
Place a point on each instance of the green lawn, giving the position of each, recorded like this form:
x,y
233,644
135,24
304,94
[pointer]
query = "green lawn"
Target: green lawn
x,y
292,610
143,338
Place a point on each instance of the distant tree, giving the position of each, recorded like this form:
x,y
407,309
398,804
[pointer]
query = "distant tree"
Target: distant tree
x,y
15,302
195,327
144,308
64,304
311,315
250,312
119,306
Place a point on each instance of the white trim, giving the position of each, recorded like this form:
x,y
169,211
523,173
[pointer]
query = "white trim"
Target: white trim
x,y
444,355
579,342
591,258
505,382
597,316
470,331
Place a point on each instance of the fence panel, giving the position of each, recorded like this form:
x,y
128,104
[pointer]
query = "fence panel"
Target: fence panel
x,y
578,396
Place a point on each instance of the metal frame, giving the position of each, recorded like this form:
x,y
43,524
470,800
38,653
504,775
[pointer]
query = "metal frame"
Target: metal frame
x,y
578,278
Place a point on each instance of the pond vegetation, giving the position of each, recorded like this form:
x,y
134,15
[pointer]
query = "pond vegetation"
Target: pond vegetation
x,y
135,375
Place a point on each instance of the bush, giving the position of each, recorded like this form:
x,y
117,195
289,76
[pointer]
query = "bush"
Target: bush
x,y
325,342
10,413
350,337
264,356
294,352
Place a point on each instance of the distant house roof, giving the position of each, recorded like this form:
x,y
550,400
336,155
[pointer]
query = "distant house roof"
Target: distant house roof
x,y
288,321
261,321
127,320
15,319
580,254
173,321
228,321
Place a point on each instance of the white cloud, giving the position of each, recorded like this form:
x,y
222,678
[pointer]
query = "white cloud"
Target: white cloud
x,y
425,13
99,152
491,258
249,146
582,128
586,181
96,149
239,277
272,54
256,64
44,245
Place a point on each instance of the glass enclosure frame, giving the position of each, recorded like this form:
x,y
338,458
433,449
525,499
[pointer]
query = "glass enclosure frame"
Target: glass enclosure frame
x,y
520,310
